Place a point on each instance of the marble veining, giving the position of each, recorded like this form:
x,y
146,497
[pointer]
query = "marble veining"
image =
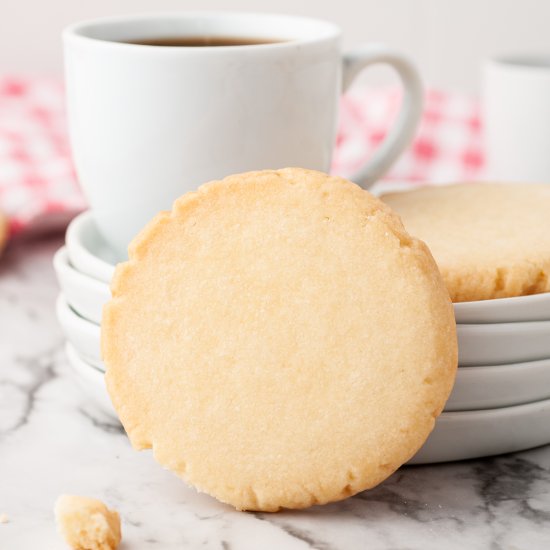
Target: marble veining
x,y
52,440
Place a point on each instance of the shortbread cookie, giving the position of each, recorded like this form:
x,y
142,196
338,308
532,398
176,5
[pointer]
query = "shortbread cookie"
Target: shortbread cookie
x,y
86,523
489,240
279,340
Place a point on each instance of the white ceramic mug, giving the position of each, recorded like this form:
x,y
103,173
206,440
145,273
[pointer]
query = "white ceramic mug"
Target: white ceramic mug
x,y
516,112
149,123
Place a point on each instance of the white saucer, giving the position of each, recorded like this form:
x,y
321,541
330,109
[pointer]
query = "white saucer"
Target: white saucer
x,y
456,436
484,387
498,343
88,252
491,387
82,334
91,380
474,434
495,344
85,294
505,310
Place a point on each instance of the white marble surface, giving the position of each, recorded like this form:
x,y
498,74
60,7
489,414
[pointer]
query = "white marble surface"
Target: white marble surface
x,y
52,441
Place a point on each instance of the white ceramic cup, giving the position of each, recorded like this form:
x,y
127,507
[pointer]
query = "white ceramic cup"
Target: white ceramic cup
x,y
149,123
516,111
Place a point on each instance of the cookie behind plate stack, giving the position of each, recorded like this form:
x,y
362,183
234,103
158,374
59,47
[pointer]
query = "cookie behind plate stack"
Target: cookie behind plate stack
x,y
279,340
489,240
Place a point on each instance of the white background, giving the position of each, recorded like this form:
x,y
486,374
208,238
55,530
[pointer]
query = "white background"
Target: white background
x,y
448,38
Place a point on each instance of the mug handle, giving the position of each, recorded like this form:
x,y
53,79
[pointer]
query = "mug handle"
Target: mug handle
x,y
407,121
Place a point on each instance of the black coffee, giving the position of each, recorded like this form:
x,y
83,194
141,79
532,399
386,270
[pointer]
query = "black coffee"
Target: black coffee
x,y
200,41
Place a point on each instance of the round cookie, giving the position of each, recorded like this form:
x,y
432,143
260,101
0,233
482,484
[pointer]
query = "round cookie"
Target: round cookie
x,y
279,340
489,240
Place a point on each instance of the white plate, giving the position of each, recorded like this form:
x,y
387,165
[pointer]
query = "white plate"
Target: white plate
x,y
476,387
85,294
91,255
494,344
496,386
473,434
456,436
505,310
489,387
88,251
91,380
82,334
491,344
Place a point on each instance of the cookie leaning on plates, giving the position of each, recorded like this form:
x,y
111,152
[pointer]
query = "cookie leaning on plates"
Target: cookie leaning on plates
x,y
489,240
279,340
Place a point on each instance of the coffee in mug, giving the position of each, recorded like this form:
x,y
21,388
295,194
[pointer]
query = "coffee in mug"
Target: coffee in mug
x,y
200,41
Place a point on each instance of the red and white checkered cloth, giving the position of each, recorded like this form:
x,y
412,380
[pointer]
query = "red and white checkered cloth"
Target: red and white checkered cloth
x,y
38,186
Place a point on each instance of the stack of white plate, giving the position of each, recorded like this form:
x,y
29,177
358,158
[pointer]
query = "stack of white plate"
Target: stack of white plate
x,y
500,402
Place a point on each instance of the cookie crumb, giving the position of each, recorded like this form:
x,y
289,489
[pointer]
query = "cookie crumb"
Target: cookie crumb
x,y
4,518
86,523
